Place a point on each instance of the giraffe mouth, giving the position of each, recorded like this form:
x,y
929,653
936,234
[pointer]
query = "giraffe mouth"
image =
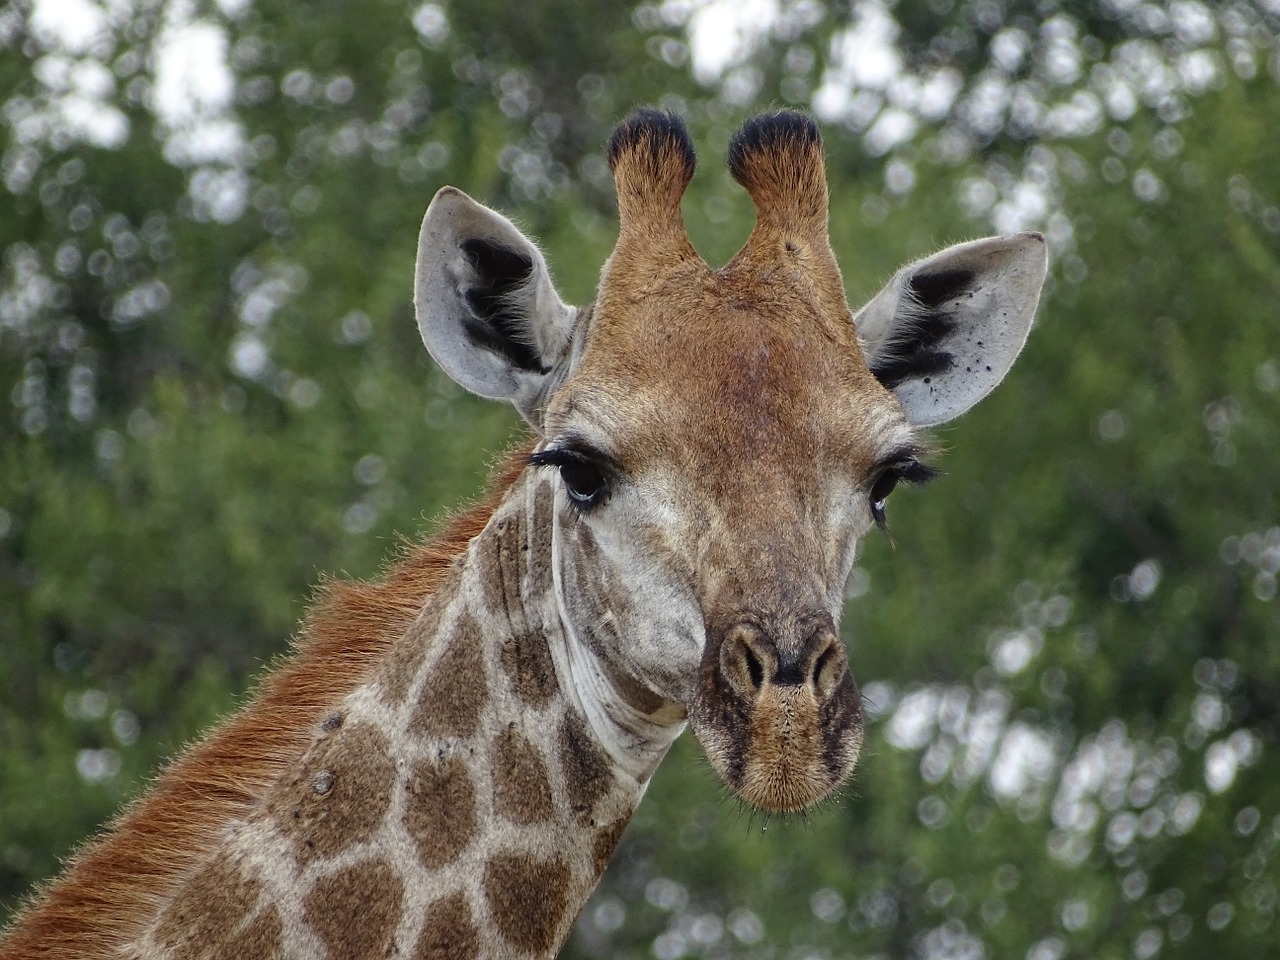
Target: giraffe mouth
x,y
782,729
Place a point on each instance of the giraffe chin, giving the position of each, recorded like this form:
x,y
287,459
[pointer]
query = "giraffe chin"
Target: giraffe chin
x,y
784,752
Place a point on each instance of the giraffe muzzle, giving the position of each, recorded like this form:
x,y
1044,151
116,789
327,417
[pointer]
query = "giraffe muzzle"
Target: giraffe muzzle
x,y
777,710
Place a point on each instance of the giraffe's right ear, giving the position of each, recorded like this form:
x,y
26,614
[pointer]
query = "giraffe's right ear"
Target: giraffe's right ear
x,y
485,304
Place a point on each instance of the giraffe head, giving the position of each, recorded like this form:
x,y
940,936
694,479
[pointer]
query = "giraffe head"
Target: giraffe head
x,y
723,437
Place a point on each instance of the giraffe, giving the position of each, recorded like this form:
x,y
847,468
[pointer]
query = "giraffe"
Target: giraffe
x,y
447,761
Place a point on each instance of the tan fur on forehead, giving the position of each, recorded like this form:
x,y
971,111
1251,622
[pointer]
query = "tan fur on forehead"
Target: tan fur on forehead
x,y
779,364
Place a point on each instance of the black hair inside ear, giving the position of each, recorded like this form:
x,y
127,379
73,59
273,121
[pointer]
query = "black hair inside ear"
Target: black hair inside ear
x,y
932,290
914,354
496,323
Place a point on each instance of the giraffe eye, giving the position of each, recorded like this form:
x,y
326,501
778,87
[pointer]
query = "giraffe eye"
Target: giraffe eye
x,y
880,491
907,469
584,482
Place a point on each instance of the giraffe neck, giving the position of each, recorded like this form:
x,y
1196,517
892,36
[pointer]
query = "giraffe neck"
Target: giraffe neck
x,y
462,802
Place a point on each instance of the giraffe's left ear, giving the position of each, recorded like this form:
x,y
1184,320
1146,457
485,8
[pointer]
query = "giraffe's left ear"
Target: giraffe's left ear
x,y
485,304
946,329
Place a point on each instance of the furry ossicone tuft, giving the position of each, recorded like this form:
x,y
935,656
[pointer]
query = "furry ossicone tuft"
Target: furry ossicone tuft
x,y
658,136
778,158
652,160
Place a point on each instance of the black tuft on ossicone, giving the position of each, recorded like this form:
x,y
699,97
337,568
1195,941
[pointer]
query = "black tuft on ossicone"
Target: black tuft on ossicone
x,y
657,129
787,129
494,324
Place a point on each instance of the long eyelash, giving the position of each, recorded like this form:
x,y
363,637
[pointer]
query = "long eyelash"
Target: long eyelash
x,y
915,472
564,452
553,457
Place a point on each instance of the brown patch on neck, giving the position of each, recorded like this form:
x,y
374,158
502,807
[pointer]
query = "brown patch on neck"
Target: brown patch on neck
x,y
110,892
540,526
521,790
450,702
587,772
261,938
501,568
528,898
441,812
355,911
526,659
404,662
606,842
216,900
450,932
339,795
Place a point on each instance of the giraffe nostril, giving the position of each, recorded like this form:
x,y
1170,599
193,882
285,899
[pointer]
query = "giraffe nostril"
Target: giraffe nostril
x,y
755,669
744,662
828,668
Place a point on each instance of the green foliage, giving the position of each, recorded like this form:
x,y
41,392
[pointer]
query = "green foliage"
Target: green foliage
x,y
1070,644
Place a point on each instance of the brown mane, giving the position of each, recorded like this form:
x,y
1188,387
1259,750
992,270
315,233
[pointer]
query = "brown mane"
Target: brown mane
x,y
116,884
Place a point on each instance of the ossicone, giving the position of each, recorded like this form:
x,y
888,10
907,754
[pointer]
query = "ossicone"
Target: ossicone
x,y
778,158
652,161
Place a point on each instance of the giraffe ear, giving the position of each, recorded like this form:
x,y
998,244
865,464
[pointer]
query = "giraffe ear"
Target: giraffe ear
x,y
946,329
486,307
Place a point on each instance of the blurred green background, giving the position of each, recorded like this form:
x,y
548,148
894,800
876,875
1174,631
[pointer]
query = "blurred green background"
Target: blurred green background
x,y
215,395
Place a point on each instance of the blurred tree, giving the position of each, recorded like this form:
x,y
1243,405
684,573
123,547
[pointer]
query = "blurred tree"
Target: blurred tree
x,y
217,396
